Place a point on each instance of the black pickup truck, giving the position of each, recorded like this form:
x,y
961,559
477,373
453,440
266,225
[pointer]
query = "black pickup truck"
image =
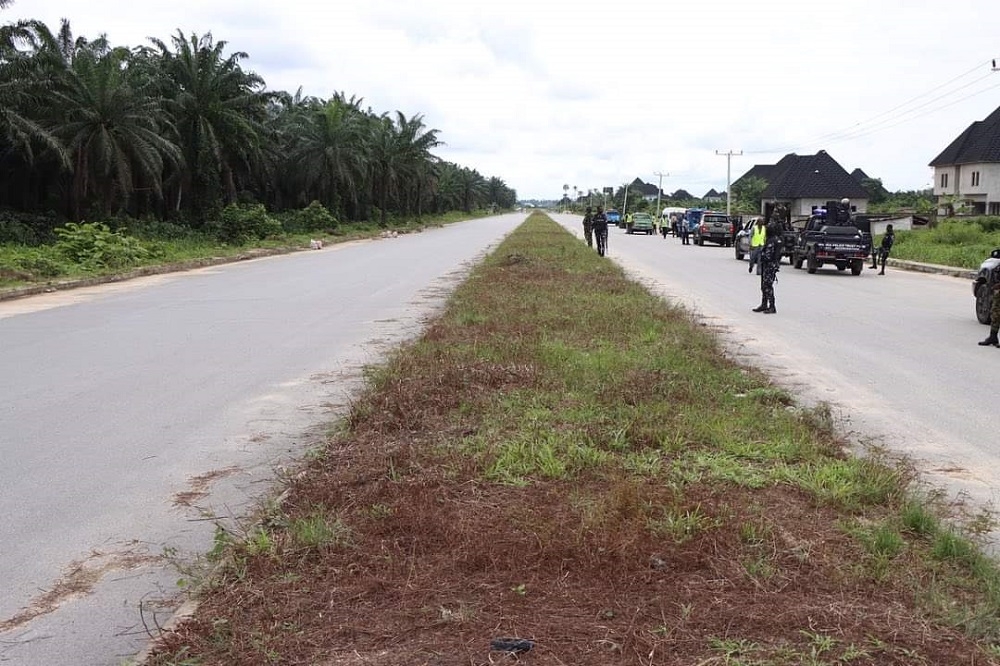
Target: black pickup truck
x,y
831,239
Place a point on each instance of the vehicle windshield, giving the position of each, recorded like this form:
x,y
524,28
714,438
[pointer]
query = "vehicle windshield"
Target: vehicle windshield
x,y
715,219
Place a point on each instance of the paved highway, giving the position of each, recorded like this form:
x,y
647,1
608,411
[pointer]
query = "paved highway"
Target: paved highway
x,y
895,356
133,415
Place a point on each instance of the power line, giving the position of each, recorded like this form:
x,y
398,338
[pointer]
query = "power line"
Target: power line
x,y
866,127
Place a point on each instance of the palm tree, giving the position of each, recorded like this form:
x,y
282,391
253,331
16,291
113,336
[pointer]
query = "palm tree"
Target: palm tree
x,y
328,150
472,186
26,79
398,149
113,124
218,111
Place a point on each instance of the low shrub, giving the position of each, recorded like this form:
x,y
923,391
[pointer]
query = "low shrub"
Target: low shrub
x,y
241,224
314,217
94,246
19,262
24,228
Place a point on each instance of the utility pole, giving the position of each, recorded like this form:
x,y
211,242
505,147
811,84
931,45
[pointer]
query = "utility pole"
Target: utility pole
x,y
659,190
729,160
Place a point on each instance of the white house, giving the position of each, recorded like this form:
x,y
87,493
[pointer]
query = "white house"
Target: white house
x,y
967,172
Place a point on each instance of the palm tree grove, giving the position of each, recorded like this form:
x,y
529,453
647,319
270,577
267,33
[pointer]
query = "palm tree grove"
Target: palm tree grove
x,y
180,137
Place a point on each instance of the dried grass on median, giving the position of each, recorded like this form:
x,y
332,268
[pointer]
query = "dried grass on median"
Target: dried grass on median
x,y
564,459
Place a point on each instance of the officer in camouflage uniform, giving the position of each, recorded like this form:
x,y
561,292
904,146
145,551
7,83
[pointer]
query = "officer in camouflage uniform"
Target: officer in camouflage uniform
x,y
770,260
588,228
994,317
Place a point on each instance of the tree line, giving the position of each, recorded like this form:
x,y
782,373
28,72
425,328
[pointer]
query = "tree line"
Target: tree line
x,y
178,130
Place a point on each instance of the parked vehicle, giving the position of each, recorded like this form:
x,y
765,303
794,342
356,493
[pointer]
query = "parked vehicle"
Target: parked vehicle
x,y
714,227
641,222
743,236
830,237
692,218
614,217
982,285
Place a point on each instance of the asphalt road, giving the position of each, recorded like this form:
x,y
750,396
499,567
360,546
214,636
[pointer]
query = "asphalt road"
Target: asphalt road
x,y
895,356
135,415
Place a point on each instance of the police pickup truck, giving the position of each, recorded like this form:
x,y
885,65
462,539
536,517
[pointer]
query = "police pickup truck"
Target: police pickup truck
x,y
833,236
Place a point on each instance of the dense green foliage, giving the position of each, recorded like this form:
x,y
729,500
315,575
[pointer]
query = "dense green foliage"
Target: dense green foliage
x,y
963,243
178,131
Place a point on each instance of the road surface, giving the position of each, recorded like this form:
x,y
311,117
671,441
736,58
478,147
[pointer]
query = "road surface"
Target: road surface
x,y
895,356
135,415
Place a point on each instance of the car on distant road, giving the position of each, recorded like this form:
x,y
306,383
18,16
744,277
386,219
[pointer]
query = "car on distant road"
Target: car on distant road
x,y
614,217
982,285
714,227
641,222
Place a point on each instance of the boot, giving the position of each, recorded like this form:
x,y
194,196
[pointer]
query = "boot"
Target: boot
x,y
762,307
991,340
770,307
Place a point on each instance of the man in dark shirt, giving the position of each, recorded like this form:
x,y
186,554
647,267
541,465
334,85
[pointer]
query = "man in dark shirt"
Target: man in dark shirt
x,y
600,224
884,248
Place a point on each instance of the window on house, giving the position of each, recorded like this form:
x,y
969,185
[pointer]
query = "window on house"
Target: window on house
x,y
975,179
944,180
995,208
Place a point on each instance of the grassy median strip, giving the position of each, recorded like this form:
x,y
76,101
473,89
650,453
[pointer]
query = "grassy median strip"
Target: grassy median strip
x,y
564,458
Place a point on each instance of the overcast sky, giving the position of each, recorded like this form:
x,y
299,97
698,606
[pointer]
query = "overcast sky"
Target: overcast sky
x,y
544,93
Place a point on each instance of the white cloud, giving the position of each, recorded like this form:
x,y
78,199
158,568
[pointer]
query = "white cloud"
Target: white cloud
x,y
550,92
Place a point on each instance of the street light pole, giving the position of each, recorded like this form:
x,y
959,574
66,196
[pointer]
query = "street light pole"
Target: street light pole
x,y
729,195
659,190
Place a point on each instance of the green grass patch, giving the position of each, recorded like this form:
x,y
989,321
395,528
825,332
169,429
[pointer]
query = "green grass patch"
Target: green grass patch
x,y
565,455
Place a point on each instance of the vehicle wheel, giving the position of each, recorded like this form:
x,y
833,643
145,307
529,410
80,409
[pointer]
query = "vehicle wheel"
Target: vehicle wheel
x,y
797,261
811,263
739,255
857,266
983,304
841,266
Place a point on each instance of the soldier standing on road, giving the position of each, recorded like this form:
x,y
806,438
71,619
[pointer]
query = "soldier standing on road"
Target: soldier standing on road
x,y
883,250
600,224
770,259
992,338
588,229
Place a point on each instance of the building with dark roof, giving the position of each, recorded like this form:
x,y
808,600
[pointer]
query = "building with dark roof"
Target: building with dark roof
x,y
648,190
805,182
713,196
967,172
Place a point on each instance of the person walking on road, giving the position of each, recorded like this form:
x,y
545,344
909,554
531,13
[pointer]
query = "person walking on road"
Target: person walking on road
x,y
883,249
588,228
757,238
682,227
770,258
599,222
992,338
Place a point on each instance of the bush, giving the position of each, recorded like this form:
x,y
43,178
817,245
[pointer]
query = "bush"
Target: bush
x,y
95,246
314,217
989,224
26,228
238,225
31,263
953,232
154,229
